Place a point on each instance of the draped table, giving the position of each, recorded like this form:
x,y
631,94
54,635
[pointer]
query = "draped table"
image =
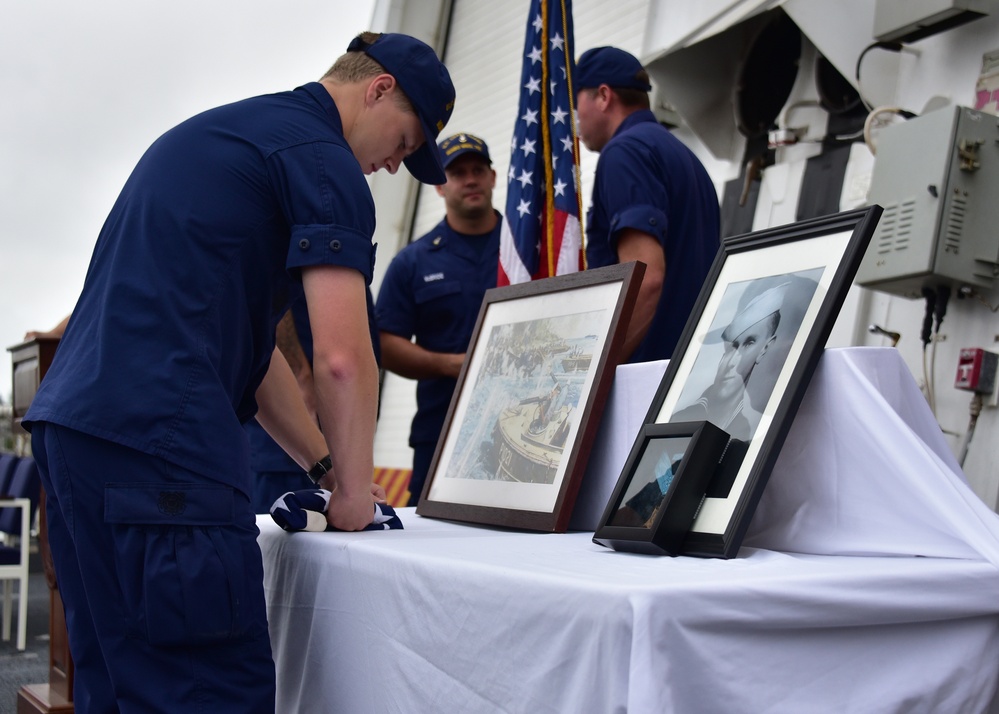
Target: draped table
x,y
868,582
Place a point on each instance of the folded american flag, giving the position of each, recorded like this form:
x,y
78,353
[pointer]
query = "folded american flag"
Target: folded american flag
x,y
306,511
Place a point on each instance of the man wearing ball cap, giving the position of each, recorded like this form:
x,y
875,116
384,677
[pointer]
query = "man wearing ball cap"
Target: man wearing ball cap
x,y
433,289
747,338
137,428
652,199
425,82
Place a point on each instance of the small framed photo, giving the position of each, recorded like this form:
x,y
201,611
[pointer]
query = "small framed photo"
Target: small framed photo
x,y
662,487
527,405
748,351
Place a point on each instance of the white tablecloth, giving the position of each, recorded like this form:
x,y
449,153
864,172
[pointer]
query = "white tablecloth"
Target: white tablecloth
x,y
826,609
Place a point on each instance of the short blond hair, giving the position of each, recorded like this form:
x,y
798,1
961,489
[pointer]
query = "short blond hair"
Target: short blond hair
x,y
358,66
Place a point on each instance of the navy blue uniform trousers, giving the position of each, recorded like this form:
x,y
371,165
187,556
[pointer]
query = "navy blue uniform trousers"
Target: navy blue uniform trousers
x,y
161,578
423,455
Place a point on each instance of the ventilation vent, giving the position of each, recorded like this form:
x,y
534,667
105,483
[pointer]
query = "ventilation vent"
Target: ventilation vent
x,y
954,227
895,228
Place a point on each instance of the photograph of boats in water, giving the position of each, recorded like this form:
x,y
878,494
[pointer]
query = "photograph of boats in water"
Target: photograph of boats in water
x,y
527,405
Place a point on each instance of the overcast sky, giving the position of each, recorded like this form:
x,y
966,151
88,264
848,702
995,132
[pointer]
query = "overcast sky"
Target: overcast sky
x,y
85,87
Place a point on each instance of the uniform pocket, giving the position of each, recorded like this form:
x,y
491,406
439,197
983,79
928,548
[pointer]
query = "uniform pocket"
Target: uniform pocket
x,y
181,563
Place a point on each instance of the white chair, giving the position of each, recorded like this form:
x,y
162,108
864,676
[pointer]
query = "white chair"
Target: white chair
x,y
16,512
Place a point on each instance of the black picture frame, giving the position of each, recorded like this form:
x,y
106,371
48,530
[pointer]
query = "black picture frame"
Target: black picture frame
x,y
661,488
527,405
806,270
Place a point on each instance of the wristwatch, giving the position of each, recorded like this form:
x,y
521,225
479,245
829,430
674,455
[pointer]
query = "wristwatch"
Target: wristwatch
x,y
320,469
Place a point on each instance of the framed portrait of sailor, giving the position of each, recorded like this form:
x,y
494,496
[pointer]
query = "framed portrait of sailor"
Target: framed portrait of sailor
x,y
661,488
526,407
748,352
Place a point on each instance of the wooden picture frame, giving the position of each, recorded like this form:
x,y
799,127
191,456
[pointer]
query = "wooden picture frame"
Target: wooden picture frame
x,y
738,367
528,401
661,488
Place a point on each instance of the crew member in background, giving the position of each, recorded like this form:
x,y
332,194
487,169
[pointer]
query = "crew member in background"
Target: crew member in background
x,y
652,200
137,426
433,290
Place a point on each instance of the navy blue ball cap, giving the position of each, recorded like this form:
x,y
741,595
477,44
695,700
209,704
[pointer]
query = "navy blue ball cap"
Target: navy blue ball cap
x,y
427,84
459,145
610,66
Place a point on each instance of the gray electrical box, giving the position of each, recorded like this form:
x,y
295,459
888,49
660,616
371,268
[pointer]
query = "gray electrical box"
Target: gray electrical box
x,y
937,178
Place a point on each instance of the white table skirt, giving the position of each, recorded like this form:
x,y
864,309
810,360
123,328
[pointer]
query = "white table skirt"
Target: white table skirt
x,y
826,609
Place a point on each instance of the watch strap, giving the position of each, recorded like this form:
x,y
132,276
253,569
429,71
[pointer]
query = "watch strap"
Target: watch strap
x,y
320,469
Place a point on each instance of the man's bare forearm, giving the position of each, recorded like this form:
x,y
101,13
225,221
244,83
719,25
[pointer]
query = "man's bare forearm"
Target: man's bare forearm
x,y
409,360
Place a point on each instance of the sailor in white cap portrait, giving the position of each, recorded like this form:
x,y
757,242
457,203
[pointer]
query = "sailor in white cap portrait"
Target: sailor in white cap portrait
x,y
747,338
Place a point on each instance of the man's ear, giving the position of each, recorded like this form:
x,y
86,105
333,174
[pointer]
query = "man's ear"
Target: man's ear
x,y
765,348
379,87
604,95
440,190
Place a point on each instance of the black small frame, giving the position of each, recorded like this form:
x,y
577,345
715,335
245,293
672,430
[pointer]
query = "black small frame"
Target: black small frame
x,y
631,522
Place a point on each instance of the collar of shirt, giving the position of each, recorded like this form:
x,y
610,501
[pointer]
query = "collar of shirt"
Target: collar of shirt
x,y
323,98
639,117
467,245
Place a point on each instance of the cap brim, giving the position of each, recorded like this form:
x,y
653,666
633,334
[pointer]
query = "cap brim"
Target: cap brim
x,y
448,160
425,163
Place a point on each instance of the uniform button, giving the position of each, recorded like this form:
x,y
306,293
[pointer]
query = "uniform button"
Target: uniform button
x,y
304,244
335,245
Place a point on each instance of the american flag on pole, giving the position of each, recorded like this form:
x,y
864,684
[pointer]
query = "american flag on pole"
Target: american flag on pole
x,y
541,234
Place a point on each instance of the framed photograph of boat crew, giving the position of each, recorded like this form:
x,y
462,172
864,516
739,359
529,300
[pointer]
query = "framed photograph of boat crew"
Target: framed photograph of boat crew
x,y
748,352
526,408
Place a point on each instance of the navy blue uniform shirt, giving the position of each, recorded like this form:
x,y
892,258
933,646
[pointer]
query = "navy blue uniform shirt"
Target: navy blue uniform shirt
x,y
174,328
648,180
433,289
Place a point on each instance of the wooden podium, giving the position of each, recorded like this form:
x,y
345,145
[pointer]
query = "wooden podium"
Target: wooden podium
x,y
31,361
